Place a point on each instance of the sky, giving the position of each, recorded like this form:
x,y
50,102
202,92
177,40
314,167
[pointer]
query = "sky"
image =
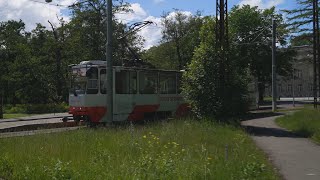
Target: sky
x,y
34,12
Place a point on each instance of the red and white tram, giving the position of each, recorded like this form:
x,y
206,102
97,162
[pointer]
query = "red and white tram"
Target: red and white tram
x,y
138,93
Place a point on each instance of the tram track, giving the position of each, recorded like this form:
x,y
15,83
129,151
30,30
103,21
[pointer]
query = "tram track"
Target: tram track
x,y
42,125
31,119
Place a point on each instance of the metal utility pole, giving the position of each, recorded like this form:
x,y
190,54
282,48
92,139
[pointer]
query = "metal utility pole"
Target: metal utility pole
x,y
293,84
274,74
109,63
315,50
1,105
222,39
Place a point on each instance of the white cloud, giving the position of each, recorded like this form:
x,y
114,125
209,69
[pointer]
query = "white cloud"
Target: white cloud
x,y
262,3
32,12
173,14
151,33
159,1
137,14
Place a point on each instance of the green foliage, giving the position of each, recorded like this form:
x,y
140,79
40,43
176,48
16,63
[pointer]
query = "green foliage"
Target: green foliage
x,y
36,108
306,123
34,65
181,34
162,150
301,18
302,40
251,35
203,84
162,56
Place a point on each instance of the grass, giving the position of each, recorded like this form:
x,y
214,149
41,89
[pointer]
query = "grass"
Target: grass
x,y
305,123
178,149
18,115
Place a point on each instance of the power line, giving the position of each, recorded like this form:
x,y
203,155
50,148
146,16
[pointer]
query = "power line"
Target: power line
x,y
58,5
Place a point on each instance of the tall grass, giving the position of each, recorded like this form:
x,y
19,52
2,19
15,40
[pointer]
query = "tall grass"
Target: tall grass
x,y
179,149
305,123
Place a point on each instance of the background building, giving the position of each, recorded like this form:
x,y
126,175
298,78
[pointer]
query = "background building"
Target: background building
x,y
300,83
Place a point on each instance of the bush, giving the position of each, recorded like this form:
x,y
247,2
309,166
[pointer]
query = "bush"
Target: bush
x,y
210,91
36,108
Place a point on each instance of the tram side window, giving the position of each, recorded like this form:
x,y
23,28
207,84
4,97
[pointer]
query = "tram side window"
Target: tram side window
x,y
168,83
92,85
126,82
148,82
103,87
179,82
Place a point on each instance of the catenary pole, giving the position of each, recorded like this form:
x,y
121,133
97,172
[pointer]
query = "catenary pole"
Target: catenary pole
x,y
109,63
315,53
274,75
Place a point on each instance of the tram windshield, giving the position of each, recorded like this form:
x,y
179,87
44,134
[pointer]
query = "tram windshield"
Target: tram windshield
x,y
84,80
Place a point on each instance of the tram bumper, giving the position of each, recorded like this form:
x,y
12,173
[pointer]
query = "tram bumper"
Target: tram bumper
x,y
93,114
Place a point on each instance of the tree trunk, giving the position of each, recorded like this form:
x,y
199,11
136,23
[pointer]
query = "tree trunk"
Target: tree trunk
x,y
58,63
261,90
1,106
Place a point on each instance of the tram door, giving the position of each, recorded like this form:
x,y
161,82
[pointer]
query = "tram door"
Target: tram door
x,y
125,93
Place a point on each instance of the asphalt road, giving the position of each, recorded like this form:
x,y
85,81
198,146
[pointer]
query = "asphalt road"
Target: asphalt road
x,y
296,158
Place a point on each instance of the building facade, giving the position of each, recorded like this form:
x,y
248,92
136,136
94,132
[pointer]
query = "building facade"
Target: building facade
x,y
300,83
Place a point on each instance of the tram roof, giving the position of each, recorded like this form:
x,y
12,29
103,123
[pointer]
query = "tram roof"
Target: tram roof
x,y
102,64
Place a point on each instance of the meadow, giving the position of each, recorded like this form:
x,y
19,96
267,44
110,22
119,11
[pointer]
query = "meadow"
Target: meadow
x,y
305,123
175,149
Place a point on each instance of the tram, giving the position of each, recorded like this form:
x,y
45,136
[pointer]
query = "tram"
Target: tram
x,y
138,93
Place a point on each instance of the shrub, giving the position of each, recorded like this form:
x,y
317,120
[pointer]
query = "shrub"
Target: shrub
x,y
36,108
211,91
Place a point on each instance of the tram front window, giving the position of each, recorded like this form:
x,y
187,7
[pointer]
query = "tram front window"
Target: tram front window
x,y
92,85
84,80
78,85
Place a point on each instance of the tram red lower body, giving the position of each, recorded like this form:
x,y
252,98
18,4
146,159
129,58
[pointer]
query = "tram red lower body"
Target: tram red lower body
x,y
95,114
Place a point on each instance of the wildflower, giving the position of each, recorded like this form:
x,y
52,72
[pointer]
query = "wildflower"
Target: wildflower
x,y
183,150
165,146
144,136
209,158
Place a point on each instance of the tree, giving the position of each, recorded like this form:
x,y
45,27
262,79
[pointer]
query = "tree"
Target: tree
x,y
88,32
34,65
301,17
302,40
250,29
201,85
12,48
162,56
183,31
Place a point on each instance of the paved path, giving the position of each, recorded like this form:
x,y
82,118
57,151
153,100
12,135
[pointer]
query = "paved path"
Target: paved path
x,y
296,158
30,120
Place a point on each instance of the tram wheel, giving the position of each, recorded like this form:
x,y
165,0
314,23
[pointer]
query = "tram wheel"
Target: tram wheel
x,y
76,119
